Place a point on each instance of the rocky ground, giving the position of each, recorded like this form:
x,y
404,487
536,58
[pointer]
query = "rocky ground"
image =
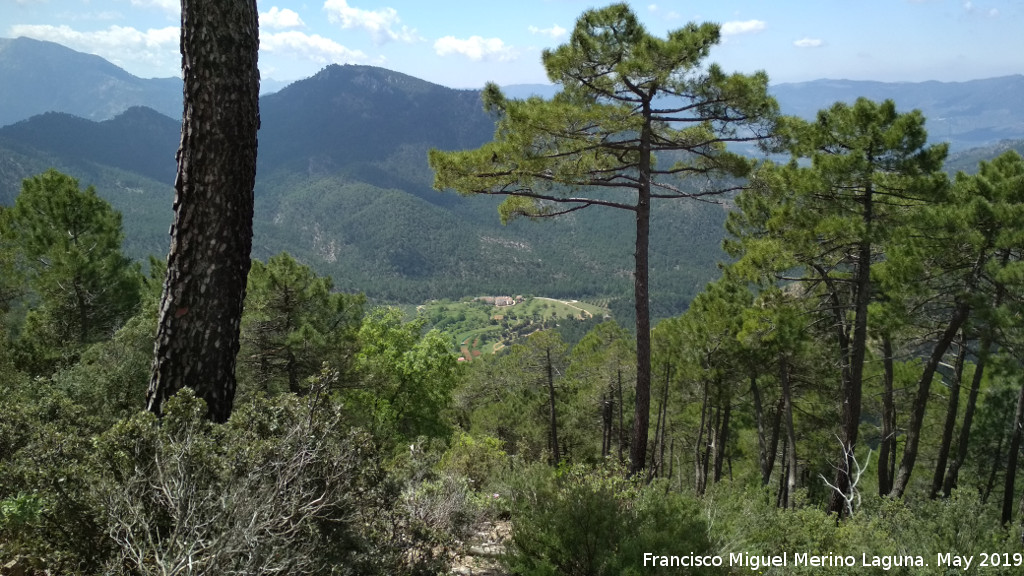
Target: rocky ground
x,y
482,553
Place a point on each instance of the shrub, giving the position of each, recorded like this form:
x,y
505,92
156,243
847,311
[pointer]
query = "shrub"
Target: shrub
x,y
580,522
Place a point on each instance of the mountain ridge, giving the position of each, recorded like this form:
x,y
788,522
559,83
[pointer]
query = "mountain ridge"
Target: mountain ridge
x,y
343,185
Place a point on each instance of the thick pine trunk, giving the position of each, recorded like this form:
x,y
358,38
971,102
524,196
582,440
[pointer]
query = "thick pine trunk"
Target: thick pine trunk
x,y
211,237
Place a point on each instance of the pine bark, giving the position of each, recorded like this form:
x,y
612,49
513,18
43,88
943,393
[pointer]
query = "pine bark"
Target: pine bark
x,y
211,237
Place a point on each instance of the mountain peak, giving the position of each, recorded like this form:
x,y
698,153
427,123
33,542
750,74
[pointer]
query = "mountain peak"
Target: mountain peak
x,y
38,76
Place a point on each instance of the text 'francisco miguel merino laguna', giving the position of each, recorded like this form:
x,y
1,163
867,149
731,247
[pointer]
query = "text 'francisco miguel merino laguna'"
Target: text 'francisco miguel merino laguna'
x,y
756,562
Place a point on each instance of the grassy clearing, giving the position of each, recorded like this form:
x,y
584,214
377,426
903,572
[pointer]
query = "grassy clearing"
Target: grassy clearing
x,y
479,327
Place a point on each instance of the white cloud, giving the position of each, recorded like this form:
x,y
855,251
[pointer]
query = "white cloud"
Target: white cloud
x,y
156,49
380,23
809,43
475,48
993,13
742,27
555,32
311,47
277,18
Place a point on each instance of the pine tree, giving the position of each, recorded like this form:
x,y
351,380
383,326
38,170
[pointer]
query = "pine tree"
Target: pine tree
x,y
822,221
627,96
66,246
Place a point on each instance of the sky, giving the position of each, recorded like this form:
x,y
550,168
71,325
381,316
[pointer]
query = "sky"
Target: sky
x,y
464,44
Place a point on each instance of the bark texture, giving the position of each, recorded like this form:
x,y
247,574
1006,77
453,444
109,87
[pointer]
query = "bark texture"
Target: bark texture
x,y
211,237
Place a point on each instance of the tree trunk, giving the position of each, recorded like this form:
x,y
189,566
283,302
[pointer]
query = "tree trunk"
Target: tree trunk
x,y
791,461
953,474
211,237
1010,480
952,409
699,456
902,476
722,439
641,295
887,447
762,441
622,428
852,391
555,453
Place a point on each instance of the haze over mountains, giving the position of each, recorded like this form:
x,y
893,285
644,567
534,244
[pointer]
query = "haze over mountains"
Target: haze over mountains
x,y
343,183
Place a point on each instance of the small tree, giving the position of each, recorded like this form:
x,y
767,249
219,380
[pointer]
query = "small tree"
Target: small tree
x,y
626,97
66,244
293,322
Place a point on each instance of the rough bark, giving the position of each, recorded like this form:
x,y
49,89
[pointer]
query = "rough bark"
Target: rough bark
x,y
211,237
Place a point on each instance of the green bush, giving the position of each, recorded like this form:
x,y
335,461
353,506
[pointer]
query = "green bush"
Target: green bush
x,y
583,522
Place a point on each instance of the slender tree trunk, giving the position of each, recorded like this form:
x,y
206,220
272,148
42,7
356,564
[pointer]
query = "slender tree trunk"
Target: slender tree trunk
x,y
887,447
1010,480
902,476
787,396
622,426
994,470
663,417
952,409
777,429
641,295
953,474
555,453
782,501
604,426
852,392
722,439
211,237
762,441
699,461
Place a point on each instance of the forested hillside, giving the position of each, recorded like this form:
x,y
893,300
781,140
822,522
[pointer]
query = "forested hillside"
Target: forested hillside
x,y
343,184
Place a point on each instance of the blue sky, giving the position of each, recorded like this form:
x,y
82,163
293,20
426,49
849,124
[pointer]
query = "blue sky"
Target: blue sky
x,y
465,44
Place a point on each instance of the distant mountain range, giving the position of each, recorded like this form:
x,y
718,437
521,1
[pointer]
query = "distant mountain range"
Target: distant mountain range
x,y
343,183
38,77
